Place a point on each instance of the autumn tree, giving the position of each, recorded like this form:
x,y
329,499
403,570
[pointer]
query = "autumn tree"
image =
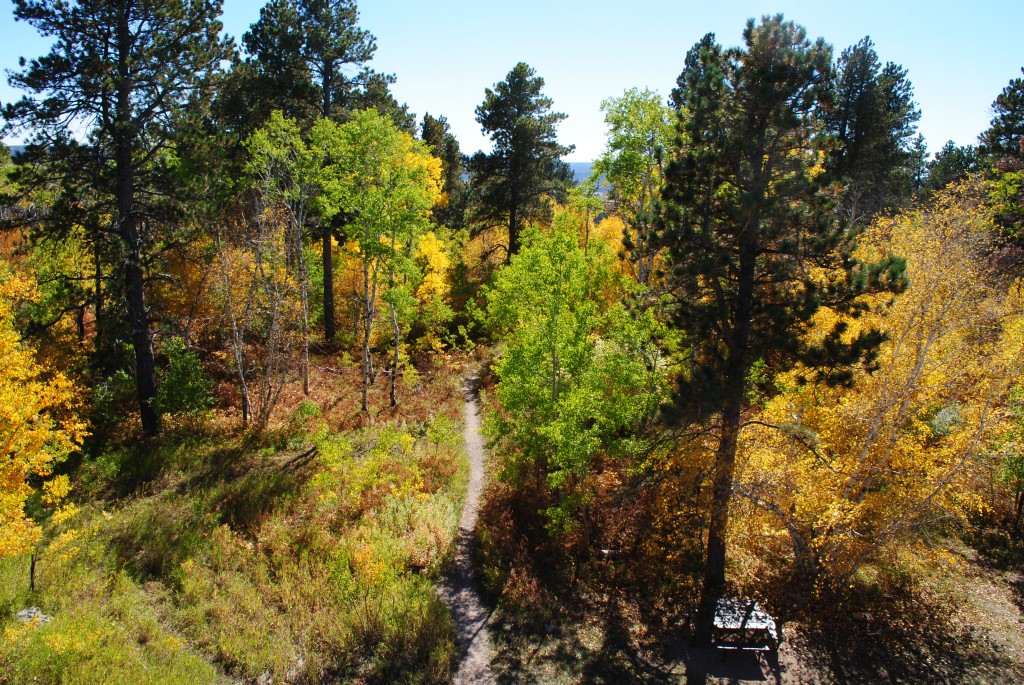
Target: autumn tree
x,y
260,298
874,121
639,130
120,72
754,250
38,427
853,475
387,182
525,162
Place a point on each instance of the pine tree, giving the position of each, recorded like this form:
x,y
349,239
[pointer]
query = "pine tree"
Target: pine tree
x,y
874,121
525,162
121,70
754,250
1005,135
436,133
952,163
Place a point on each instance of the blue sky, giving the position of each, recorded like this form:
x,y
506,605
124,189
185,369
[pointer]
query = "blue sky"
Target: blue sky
x,y
959,55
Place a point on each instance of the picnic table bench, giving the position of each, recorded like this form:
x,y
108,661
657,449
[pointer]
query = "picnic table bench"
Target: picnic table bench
x,y
742,624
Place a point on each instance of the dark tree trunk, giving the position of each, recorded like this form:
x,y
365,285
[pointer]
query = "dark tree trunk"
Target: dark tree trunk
x,y
725,457
513,229
135,284
98,287
330,329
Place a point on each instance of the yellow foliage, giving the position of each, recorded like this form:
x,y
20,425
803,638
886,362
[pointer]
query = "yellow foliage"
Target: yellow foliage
x,y
431,251
848,473
37,426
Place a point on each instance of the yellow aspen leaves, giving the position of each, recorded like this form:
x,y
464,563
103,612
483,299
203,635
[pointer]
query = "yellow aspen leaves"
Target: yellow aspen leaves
x,y
37,425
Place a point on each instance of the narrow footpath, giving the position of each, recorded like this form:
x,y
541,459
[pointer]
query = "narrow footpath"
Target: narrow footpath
x,y
459,590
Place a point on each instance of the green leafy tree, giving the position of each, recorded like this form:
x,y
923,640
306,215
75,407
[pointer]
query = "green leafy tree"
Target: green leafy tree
x,y
1005,134
525,162
387,182
639,130
754,248
122,72
308,59
874,121
288,174
579,375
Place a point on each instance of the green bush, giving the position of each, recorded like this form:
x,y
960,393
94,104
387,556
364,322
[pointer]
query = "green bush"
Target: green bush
x,y
184,387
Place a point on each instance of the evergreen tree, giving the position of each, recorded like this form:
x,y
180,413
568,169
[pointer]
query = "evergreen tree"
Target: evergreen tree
x,y
437,135
122,70
754,249
1005,135
525,162
952,163
874,121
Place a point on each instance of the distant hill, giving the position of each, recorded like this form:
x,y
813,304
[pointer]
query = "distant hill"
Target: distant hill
x,y
581,170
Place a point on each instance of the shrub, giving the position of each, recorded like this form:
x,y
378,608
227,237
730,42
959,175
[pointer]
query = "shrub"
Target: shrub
x,y
184,387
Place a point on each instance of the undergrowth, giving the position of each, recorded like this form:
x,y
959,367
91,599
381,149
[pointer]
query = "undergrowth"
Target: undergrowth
x,y
301,555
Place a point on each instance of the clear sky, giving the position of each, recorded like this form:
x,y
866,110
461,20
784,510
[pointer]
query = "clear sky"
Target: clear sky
x,y
444,53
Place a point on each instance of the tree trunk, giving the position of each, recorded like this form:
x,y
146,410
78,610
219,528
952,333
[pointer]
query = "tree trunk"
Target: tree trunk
x,y
330,330
367,329
725,457
135,284
513,229
394,364
98,287
1019,511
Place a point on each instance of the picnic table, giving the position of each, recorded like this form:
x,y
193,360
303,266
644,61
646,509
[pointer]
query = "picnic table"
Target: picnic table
x,y
742,624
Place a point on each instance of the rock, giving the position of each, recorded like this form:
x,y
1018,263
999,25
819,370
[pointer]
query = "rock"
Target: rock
x,y
33,615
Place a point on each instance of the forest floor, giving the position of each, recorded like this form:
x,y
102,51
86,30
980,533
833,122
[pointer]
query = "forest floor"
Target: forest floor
x,y
963,626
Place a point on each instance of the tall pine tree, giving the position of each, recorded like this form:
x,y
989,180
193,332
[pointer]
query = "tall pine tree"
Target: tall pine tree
x,y
525,162
1005,135
120,72
754,250
873,119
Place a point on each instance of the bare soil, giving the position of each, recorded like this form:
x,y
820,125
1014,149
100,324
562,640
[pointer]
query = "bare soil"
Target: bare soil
x,y
460,590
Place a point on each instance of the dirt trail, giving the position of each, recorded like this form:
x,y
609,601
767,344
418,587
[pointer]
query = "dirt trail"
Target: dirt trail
x,y
459,590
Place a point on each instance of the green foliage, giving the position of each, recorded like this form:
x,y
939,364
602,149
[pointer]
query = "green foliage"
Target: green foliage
x,y
952,163
639,130
184,386
120,76
103,630
436,133
873,118
579,373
